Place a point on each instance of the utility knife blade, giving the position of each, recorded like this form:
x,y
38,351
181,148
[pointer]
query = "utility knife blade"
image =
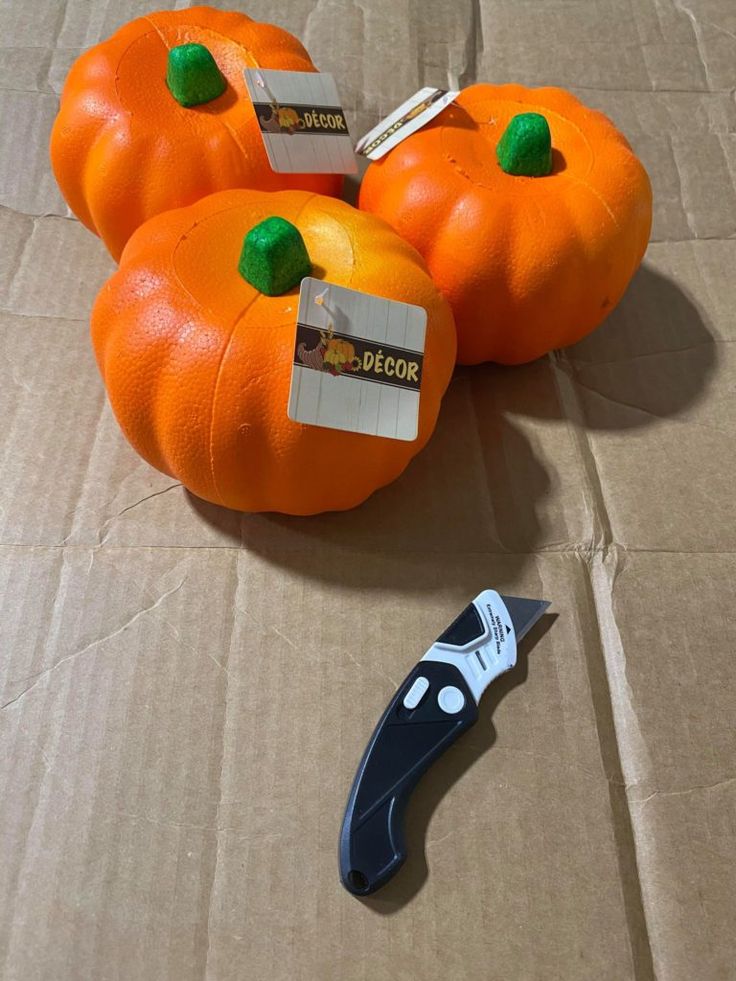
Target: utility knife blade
x,y
437,702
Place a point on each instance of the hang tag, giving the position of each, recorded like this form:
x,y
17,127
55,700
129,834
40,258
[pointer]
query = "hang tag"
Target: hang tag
x,y
302,122
407,119
357,361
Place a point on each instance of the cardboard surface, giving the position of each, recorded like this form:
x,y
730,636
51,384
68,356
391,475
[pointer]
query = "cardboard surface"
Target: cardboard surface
x,y
186,692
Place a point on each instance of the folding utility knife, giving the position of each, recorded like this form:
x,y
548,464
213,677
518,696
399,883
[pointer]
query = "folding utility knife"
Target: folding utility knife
x,y
436,703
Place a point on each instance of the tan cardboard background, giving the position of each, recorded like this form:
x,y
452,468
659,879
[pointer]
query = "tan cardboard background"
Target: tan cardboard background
x,y
186,692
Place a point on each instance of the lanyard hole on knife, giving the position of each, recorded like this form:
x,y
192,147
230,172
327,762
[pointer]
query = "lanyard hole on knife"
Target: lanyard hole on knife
x,y
357,881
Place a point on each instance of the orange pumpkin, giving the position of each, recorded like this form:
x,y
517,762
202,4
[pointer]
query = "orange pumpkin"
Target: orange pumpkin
x,y
197,362
123,148
533,244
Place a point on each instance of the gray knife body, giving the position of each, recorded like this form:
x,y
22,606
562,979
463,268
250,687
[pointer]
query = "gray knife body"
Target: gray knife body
x,y
436,703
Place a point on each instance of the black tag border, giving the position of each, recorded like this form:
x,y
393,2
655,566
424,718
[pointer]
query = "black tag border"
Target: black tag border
x,y
333,110
417,356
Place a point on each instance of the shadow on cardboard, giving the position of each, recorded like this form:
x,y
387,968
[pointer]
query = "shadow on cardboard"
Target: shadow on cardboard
x,y
478,484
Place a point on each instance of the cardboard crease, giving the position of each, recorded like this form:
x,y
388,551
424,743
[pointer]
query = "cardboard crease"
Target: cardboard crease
x,y
186,691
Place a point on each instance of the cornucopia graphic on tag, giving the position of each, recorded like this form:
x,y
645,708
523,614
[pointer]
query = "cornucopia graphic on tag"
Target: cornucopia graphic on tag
x,y
333,354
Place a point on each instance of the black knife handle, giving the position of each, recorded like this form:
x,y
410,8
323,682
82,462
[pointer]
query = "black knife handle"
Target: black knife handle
x,y
405,743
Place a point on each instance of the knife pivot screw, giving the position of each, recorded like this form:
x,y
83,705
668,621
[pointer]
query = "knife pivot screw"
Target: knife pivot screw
x,y
451,700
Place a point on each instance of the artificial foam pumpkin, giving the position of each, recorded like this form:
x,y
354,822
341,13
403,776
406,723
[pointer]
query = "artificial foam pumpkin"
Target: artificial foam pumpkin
x,y
159,115
197,360
531,211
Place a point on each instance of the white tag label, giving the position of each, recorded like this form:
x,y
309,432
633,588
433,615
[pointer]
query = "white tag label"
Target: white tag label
x,y
302,122
358,361
407,119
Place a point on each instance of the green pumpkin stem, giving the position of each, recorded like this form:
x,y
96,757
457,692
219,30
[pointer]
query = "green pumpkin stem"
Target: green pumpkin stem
x,y
192,75
274,257
525,149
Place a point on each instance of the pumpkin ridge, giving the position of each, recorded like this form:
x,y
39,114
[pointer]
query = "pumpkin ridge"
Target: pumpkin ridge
x,y
580,182
106,353
215,387
347,232
119,98
234,136
257,296
106,135
157,29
